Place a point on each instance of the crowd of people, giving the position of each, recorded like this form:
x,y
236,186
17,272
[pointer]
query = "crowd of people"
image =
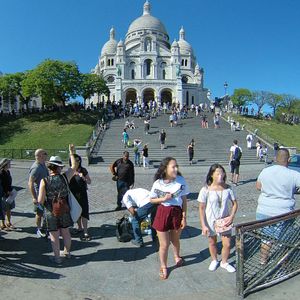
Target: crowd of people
x,y
166,203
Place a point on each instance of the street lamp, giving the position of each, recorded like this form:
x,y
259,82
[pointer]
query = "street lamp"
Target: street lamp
x,y
225,87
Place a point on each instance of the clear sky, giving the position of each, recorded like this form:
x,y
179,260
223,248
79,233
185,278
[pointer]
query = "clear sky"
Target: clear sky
x,y
248,43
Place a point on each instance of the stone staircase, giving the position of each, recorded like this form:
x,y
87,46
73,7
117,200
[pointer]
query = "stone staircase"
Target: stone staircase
x,y
211,145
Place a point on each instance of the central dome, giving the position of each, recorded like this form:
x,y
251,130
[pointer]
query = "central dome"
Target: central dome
x,y
146,21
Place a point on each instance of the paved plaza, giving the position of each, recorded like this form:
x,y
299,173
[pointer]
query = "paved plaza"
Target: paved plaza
x,y
106,269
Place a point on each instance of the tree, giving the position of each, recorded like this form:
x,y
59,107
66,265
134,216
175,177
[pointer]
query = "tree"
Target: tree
x,y
92,84
55,81
260,98
240,97
10,88
275,101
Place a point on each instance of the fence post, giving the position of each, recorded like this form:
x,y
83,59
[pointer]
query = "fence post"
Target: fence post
x,y
239,262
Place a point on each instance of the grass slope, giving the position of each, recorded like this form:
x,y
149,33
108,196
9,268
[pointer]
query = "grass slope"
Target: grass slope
x,y
47,130
287,135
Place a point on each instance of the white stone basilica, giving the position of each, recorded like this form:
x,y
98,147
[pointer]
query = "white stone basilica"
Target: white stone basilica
x,y
146,67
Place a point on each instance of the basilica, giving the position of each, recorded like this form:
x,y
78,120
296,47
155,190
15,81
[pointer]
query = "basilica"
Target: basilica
x,y
145,66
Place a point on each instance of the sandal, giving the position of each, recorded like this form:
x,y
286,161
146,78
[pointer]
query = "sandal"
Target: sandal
x,y
163,273
85,237
179,263
11,226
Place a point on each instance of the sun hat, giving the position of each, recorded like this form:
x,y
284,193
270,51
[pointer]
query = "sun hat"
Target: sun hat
x,y
56,160
4,162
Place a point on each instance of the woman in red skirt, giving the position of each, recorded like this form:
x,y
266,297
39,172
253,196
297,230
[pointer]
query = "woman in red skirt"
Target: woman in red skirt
x,y
170,191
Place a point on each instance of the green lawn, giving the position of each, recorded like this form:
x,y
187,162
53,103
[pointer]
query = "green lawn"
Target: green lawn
x,y
48,131
287,135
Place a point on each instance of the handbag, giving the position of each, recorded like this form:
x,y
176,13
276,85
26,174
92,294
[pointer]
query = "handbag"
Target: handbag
x,y
75,208
11,198
220,227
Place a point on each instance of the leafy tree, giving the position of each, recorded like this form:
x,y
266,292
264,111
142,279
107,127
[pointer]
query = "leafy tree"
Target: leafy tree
x,y
55,81
240,97
10,88
275,101
92,84
260,98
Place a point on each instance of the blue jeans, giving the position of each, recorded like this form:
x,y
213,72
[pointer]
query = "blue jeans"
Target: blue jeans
x,y
122,188
137,158
140,214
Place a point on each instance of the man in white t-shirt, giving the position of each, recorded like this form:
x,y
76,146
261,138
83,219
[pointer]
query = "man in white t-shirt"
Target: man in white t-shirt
x,y
278,185
137,201
235,162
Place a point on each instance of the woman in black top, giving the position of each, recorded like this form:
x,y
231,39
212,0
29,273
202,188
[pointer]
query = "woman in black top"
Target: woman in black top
x,y
145,157
190,150
6,182
78,186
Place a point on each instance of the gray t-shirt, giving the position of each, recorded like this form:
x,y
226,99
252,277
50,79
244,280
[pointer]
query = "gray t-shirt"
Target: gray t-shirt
x,y
277,192
38,172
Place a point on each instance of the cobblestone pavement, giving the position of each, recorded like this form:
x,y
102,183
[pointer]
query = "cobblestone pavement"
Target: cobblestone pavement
x,y
106,269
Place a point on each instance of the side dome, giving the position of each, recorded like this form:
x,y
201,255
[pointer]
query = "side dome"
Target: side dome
x,y
146,21
110,47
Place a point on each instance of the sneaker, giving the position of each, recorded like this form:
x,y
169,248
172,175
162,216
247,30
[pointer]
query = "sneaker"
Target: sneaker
x,y
56,260
41,233
229,268
213,266
138,244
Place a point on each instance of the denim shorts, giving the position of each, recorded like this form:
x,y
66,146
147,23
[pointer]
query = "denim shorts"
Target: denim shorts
x,y
279,231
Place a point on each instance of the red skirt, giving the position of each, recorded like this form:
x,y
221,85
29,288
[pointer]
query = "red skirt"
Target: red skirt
x,y
167,218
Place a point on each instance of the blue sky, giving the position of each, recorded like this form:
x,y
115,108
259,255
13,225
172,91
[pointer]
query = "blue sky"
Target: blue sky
x,y
248,43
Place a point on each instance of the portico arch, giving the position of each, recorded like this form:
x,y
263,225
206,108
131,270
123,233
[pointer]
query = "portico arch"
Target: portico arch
x,y
148,95
166,96
130,96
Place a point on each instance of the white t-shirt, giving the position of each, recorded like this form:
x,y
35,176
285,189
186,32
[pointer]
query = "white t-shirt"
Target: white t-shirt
x,y
232,150
277,192
217,205
177,188
136,197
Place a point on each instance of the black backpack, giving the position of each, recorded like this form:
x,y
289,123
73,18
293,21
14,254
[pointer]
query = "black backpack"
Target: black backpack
x,y
237,155
124,230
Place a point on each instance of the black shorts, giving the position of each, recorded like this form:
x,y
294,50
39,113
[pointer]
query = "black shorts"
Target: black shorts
x,y
235,167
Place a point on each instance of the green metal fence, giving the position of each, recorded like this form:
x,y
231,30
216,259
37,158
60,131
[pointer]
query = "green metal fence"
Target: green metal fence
x,y
29,153
267,251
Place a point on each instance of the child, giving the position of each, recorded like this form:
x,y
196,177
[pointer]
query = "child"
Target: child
x,y
214,200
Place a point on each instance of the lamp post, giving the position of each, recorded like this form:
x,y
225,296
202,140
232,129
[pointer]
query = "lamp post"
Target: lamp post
x,y
225,87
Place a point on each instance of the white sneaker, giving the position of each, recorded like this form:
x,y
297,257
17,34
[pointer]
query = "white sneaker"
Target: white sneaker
x,y
213,266
229,268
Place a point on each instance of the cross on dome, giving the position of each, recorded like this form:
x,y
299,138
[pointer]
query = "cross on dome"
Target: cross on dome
x,y
147,8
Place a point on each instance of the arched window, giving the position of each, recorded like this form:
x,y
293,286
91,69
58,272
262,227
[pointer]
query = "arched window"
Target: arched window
x,y
148,67
112,62
164,74
132,74
182,62
185,62
108,62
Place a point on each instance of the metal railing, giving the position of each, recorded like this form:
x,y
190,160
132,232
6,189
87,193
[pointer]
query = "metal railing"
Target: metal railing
x,y
267,251
29,153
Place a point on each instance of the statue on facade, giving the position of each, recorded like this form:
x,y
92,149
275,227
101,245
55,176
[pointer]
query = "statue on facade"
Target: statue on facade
x,y
148,46
178,71
119,71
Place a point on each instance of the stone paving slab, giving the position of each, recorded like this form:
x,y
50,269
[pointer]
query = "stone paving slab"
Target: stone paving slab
x,y
106,269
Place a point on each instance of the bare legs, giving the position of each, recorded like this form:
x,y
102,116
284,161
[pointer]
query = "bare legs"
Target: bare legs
x,y
83,224
164,241
212,244
54,237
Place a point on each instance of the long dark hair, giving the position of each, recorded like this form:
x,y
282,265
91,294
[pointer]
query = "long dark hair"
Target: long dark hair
x,y
162,169
212,170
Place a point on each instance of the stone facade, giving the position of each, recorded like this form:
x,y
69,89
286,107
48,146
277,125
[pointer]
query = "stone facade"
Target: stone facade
x,y
147,67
